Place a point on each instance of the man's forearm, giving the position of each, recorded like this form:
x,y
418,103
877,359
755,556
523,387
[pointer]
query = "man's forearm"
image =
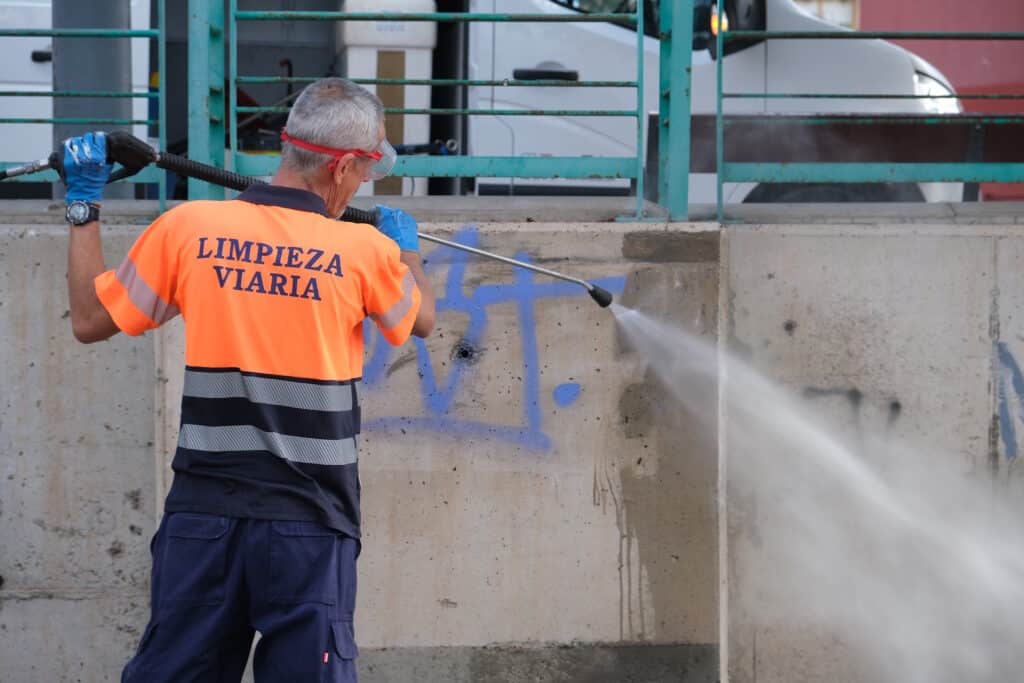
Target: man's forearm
x,y
90,322
425,318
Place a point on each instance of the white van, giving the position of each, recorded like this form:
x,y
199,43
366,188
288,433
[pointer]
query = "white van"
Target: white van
x,y
603,51
26,64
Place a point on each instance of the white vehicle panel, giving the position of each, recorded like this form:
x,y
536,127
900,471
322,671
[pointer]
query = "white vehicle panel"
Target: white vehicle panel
x,y
28,142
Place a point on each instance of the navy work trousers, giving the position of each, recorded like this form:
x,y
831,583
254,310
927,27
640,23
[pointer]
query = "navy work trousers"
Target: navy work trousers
x,y
217,580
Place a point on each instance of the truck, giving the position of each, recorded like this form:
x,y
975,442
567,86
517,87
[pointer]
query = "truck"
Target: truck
x,y
27,65
497,51
606,51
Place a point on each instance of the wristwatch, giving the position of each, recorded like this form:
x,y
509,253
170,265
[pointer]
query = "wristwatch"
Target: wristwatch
x,y
80,213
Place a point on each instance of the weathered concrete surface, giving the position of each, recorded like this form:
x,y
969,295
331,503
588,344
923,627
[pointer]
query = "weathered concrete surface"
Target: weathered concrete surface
x,y
524,510
590,663
532,511
76,474
893,332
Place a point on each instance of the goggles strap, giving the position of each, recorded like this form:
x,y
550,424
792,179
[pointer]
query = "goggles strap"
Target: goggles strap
x,y
333,151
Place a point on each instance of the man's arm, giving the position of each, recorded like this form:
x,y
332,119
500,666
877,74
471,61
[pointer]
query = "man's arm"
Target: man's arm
x,y
85,172
90,321
425,317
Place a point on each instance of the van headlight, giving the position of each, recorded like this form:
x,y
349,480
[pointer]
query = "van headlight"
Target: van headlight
x,y
935,96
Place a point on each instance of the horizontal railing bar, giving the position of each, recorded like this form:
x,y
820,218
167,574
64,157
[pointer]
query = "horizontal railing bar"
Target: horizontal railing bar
x,y
868,120
471,166
744,172
291,15
73,93
469,112
443,82
74,121
871,35
147,175
78,33
854,96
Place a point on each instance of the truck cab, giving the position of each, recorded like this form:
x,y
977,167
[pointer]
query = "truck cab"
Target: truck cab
x,y
605,51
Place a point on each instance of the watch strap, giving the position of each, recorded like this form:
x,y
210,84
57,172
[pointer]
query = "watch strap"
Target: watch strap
x,y
92,215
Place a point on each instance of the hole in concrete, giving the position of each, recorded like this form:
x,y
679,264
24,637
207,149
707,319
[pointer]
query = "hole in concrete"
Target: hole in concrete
x,y
466,352
789,326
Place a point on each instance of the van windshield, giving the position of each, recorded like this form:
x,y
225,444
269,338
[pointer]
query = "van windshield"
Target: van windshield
x,y
617,7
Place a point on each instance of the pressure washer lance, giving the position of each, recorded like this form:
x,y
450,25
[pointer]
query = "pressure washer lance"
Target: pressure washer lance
x,y
134,155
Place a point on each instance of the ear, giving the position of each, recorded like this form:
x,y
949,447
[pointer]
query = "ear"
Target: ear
x,y
343,166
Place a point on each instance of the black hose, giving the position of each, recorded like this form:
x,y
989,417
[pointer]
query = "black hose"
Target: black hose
x,y
354,215
211,174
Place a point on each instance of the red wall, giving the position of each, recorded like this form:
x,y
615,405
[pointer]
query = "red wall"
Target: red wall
x,y
972,66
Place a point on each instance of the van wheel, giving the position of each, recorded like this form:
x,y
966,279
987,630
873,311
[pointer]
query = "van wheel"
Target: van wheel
x,y
829,193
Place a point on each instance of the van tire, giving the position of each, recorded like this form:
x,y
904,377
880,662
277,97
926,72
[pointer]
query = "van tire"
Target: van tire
x,y
833,193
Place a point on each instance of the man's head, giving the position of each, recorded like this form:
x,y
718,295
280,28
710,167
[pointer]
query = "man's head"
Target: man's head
x,y
347,122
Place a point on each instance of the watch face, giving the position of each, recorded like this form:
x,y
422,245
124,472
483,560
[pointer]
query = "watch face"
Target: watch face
x,y
78,212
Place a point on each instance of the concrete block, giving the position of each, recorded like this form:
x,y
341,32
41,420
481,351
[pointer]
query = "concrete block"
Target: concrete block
x,y
76,472
85,637
888,336
592,663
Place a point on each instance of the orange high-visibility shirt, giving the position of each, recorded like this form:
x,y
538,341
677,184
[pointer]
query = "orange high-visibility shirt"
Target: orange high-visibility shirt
x,y
273,293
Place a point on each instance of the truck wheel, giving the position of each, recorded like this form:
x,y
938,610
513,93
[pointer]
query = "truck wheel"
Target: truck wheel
x,y
829,193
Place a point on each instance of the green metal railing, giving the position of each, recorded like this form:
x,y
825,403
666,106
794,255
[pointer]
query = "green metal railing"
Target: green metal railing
x,y
858,172
150,175
206,70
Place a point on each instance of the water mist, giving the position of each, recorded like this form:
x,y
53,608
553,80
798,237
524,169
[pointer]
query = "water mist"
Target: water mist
x,y
905,564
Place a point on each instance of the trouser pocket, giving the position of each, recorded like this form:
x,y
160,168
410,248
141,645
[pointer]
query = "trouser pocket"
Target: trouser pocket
x,y
303,563
193,564
341,666
344,640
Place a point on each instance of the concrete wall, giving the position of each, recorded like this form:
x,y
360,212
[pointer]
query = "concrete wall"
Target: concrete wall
x,y
896,335
527,515
76,473
532,510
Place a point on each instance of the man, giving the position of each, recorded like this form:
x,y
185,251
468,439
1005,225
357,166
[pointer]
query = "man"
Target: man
x,y
261,529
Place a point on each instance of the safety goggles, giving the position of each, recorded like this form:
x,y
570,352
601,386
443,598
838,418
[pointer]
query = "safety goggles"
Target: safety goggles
x,y
383,154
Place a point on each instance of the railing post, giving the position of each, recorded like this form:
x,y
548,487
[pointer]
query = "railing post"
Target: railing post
x,y
206,91
676,32
161,69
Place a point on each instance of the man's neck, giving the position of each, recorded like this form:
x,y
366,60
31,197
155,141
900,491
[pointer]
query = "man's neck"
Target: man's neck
x,y
288,178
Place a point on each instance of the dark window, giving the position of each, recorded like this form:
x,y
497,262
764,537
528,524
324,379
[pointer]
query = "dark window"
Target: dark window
x,y
617,7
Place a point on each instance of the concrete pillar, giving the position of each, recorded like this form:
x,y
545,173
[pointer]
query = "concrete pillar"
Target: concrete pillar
x,y
100,64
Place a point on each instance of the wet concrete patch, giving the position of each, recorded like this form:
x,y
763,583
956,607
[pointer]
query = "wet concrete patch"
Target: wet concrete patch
x,y
671,247
576,663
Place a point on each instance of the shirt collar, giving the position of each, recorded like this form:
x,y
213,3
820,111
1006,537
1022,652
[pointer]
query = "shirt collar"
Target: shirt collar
x,y
285,197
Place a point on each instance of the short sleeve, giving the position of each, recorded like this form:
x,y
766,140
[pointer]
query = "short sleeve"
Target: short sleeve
x,y
392,298
139,295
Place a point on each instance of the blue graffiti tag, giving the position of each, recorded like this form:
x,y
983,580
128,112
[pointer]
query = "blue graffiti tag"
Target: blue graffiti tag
x,y
440,397
1009,372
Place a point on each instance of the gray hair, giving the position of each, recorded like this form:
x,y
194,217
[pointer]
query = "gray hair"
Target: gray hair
x,y
332,112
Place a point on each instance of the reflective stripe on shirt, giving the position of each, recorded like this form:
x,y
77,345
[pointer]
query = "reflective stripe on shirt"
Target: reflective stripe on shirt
x,y
142,295
248,438
394,315
307,421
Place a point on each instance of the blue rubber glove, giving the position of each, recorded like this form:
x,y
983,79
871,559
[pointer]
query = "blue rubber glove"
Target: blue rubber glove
x,y
399,226
85,167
